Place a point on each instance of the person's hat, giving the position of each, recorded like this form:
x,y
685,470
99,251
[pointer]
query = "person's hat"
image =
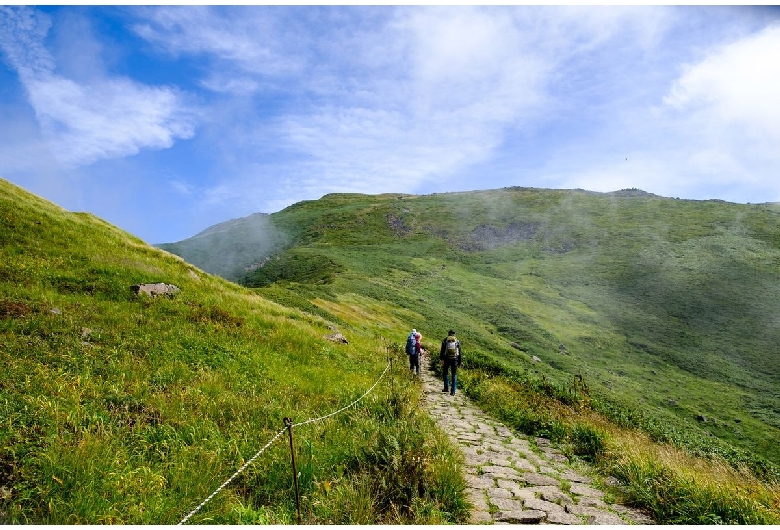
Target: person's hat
x,y
451,332
414,330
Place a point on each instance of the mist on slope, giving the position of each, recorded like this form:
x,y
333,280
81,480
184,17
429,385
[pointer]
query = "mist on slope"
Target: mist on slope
x,y
232,248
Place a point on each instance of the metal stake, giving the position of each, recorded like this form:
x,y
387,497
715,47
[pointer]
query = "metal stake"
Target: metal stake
x,y
289,424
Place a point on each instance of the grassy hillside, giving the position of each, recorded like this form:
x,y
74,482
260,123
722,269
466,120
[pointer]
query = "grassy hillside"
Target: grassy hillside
x,y
636,330
120,408
667,308
607,322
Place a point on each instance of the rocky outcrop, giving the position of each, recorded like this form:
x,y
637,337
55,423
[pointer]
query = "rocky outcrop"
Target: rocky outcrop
x,y
154,289
337,337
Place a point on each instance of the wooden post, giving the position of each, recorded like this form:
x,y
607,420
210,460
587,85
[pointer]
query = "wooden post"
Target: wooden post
x,y
392,377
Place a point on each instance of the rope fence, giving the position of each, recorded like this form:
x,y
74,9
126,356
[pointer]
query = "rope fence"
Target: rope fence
x,y
228,481
288,427
342,409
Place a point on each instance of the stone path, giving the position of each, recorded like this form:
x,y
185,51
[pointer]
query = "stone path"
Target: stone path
x,y
516,479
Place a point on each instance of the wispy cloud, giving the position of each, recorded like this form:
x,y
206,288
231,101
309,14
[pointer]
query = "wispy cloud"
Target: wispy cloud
x,y
401,100
83,122
727,109
243,44
285,103
737,85
109,119
460,81
689,112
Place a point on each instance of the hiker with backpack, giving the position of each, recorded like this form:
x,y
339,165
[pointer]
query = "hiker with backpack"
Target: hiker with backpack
x,y
451,358
413,351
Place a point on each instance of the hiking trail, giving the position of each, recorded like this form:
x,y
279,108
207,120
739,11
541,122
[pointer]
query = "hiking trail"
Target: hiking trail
x,y
513,478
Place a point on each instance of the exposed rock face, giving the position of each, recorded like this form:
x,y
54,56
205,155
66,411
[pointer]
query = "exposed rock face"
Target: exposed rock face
x,y
487,237
397,225
154,289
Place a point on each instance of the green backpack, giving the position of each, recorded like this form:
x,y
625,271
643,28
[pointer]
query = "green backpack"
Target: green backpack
x,y
452,347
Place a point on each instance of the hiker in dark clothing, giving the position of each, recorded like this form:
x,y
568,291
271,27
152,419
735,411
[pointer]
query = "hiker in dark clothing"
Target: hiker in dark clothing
x,y
451,358
413,351
414,359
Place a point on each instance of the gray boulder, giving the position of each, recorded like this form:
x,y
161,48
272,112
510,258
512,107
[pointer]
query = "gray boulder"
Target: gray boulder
x,y
154,289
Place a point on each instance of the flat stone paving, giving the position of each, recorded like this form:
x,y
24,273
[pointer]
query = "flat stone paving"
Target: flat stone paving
x,y
513,479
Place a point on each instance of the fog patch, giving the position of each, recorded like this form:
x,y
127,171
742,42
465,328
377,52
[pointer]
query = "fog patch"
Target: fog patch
x,y
233,248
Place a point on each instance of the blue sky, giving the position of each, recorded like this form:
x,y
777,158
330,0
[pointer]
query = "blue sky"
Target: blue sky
x,y
167,120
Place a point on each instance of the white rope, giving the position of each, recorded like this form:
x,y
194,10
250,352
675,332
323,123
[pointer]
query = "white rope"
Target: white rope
x,y
313,420
266,446
228,481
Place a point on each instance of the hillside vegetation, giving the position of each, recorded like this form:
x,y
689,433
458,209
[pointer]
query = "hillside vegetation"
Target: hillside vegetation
x,y
668,305
606,322
650,312
123,408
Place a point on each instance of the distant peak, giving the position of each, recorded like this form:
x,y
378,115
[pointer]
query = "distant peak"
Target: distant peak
x,y
631,192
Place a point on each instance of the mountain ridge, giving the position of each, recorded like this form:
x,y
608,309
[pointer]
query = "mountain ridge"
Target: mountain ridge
x,y
662,284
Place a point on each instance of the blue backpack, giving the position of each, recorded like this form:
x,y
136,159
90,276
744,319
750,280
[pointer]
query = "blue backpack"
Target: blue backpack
x,y
410,342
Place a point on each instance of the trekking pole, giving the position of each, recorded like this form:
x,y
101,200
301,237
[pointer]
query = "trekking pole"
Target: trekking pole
x,y
289,424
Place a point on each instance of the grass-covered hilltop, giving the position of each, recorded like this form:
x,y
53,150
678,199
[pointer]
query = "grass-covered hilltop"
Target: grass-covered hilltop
x,y
637,332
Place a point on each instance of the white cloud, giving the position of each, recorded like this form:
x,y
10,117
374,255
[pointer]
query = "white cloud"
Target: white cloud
x,y
108,119
727,114
737,85
83,122
230,83
384,102
710,132
441,101
181,187
248,40
393,101
581,29
21,39
473,62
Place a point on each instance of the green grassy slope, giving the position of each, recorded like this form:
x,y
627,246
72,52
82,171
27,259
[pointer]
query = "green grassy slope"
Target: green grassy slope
x,y
666,307
118,408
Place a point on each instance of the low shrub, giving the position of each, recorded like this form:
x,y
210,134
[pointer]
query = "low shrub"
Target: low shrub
x,y
680,489
587,441
412,469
